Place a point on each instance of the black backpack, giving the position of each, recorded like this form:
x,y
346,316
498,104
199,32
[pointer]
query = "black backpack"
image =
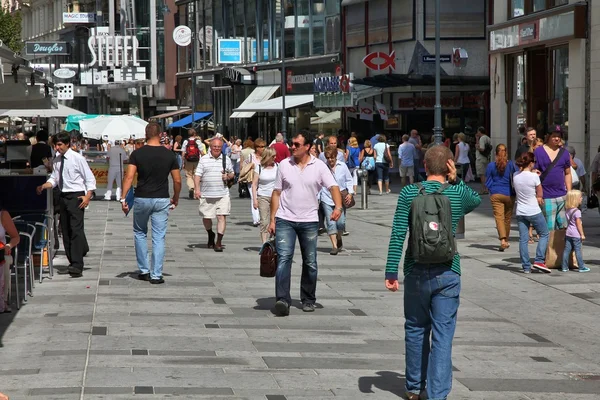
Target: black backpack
x,y
431,238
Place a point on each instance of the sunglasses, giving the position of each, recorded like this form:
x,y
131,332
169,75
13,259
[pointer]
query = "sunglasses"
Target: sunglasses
x,y
260,147
296,144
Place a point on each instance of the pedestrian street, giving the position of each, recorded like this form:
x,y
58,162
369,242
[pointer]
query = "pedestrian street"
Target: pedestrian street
x,y
209,333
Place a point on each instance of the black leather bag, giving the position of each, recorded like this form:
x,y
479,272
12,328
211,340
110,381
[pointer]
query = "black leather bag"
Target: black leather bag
x,y
268,259
592,201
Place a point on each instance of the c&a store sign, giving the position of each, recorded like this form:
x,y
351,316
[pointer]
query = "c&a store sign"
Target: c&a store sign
x,y
333,84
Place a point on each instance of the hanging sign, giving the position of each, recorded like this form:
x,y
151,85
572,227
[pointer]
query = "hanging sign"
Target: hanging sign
x,y
113,51
64,73
182,35
379,60
229,51
332,84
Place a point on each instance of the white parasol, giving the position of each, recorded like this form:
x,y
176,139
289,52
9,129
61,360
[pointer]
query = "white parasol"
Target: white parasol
x,y
113,127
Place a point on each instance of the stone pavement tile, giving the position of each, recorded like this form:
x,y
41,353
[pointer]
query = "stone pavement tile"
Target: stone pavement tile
x,y
355,348
50,380
315,337
531,385
178,360
332,363
179,343
173,331
283,394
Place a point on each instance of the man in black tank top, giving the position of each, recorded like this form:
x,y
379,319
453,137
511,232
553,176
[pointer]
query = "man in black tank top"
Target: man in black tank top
x,y
40,150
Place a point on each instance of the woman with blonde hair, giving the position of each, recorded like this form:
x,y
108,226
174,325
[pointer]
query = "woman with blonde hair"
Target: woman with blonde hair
x,y
262,189
368,152
382,167
177,150
499,182
461,158
353,159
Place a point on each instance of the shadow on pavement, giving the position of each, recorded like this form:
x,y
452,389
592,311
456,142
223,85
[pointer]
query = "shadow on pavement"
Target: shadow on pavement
x,y
268,303
484,246
387,381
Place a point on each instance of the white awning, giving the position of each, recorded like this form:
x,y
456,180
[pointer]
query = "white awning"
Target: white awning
x,y
275,105
258,95
61,111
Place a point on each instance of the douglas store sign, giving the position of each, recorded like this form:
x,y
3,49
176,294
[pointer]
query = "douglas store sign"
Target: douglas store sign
x,y
47,48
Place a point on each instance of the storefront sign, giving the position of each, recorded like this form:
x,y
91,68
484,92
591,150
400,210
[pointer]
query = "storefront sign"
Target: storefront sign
x,y
47,48
79,18
113,51
332,84
229,51
64,73
265,50
528,33
430,59
411,103
379,60
182,36
238,75
553,27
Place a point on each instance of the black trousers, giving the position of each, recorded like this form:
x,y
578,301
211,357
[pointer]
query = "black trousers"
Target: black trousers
x,y
71,221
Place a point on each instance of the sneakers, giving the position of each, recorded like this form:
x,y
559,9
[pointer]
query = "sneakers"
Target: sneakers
x,y
144,277
157,281
564,270
541,267
526,271
584,269
282,308
308,307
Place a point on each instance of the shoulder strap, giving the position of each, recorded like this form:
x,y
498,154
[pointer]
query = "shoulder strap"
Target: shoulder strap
x,y
420,187
443,187
224,164
552,164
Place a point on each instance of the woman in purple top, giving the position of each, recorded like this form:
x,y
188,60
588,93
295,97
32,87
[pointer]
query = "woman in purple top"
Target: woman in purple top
x,y
556,182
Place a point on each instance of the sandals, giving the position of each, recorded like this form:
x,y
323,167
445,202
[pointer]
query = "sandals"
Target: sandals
x,y
504,246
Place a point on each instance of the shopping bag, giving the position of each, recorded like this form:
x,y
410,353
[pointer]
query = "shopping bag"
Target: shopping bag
x,y
556,247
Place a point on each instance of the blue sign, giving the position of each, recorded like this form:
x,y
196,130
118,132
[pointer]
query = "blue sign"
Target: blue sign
x,y
332,84
229,51
265,51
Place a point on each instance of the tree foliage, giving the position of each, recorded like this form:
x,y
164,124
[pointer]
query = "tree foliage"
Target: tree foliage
x,y
10,30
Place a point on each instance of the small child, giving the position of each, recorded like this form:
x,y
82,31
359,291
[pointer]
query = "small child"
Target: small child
x,y
575,234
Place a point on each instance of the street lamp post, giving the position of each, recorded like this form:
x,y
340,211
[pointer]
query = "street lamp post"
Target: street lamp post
x,y
283,75
437,129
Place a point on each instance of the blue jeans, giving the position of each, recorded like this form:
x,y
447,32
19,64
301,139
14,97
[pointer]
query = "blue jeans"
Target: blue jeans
x,y
539,224
285,242
333,227
572,243
431,299
157,210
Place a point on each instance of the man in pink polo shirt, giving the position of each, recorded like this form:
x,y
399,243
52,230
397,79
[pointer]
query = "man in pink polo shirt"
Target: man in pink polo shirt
x,y
294,212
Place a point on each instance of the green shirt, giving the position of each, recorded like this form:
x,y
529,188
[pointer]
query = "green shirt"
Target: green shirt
x,y
463,200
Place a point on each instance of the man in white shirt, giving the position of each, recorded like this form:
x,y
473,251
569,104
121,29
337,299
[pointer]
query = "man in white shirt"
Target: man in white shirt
x,y
191,156
210,187
116,155
406,156
76,182
333,141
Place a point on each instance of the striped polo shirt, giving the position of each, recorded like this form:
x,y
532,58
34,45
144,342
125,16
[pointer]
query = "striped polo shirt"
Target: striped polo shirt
x,y
210,171
463,200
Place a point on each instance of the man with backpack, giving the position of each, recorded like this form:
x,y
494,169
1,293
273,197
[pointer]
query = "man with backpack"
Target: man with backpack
x,y
483,144
191,151
430,210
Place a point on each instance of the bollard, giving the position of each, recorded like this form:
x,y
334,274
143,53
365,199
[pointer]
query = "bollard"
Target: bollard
x,y
460,229
364,176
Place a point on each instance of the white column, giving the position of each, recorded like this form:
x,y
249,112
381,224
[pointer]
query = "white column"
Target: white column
x,y
498,116
577,85
594,125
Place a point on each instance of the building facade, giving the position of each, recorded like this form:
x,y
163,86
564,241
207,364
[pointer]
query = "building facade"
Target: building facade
x,y
390,46
544,69
233,72
107,87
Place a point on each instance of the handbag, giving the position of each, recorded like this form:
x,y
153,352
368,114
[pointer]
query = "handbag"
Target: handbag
x,y
228,182
268,259
247,172
387,157
352,202
556,247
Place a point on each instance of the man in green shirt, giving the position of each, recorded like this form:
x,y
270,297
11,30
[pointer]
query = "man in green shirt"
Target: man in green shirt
x,y
431,292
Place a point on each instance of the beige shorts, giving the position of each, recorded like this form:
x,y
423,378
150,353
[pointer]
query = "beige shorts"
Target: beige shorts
x,y
481,166
407,171
210,208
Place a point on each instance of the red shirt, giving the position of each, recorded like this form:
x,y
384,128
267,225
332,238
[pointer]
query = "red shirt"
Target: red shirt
x,y
281,151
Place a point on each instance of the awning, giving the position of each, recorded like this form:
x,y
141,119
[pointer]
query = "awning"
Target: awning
x,y
350,2
61,112
188,120
74,119
258,95
172,113
275,105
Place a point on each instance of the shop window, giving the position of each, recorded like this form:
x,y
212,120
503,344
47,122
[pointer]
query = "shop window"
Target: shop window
x,y
518,8
355,25
403,20
332,7
318,27
559,107
378,21
458,19
539,5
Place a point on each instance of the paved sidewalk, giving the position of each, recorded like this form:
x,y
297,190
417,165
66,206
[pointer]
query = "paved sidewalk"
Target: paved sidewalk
x,y
208,333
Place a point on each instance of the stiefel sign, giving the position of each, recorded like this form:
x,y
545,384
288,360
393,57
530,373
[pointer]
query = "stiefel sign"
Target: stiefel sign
x,y
47,48
113,51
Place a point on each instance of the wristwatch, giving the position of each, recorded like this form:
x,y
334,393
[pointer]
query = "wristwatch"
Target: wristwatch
x,y
122,201
340,208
